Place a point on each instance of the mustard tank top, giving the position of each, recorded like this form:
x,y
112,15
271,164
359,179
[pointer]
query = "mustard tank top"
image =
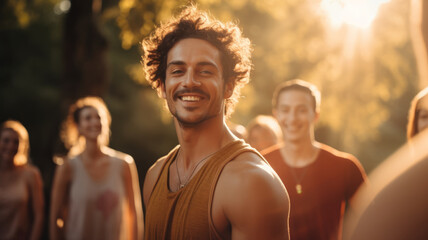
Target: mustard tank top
x,y
186,214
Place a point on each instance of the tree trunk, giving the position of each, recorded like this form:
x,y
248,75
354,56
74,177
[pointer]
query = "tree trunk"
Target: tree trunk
x,y
85,51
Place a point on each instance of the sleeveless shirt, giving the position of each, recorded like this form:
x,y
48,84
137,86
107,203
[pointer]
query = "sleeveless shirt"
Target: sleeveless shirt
x,y
15,208
96,208
186,214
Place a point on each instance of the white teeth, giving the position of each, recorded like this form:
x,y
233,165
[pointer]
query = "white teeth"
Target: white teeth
x,y
190,98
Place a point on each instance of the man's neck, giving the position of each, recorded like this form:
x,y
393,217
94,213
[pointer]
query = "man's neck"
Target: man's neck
x,y
300,154
203,139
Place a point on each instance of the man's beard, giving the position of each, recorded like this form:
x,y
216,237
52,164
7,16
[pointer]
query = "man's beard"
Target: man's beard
x,y
186,123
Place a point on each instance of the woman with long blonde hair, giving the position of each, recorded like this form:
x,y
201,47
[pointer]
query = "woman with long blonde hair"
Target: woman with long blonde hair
x,y
21,187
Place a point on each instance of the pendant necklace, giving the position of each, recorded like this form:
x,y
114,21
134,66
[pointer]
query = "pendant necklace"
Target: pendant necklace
x,y
183,184
298,186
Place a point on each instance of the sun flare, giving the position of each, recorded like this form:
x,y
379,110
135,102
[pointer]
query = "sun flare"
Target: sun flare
x,y
358,13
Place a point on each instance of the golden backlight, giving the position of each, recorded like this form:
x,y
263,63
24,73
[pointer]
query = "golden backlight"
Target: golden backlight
x,y
358,13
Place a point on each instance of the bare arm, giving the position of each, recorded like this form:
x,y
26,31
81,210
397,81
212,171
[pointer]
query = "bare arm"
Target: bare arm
x,y
255,202
132,189
37,202
59,201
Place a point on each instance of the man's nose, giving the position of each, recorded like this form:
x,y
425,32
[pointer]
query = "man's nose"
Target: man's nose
x,y
191,80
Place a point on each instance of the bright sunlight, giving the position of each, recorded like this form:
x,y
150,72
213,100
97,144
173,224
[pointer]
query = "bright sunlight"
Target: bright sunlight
x,y
358,13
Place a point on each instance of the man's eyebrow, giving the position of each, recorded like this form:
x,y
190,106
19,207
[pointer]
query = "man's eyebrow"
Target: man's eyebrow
x,y
175,63
207,64
182,63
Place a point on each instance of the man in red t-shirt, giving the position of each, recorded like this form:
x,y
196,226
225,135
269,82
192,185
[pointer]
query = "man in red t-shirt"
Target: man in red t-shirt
x,y
320,180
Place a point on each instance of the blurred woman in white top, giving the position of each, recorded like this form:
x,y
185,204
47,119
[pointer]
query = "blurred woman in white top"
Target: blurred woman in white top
x,y
95,193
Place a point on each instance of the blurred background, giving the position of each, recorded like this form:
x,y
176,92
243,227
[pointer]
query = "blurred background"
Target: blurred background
x,y
359,53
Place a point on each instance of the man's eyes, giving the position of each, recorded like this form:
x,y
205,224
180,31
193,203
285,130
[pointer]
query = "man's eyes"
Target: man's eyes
x,y
203,72
177,71
206,72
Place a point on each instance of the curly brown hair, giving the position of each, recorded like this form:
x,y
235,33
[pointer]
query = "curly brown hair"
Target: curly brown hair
x,y
193,23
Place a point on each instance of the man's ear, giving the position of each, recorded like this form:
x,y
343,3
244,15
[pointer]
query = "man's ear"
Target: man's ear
x,y
228,92
161,91
274,113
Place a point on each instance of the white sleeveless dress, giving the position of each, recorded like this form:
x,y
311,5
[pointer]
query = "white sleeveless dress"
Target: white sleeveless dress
x,y
96,207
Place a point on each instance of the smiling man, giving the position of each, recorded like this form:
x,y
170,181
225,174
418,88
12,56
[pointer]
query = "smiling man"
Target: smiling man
x,y
319,179
212,185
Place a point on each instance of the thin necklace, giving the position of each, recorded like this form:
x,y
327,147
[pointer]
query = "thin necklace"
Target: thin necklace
x,y
182,185
298,186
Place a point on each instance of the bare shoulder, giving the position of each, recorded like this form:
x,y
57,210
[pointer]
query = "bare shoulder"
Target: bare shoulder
x,y
64,171
156,167
253,199
31,173
153,172
249,164
119,155
249,170
30,169
151,177
251,176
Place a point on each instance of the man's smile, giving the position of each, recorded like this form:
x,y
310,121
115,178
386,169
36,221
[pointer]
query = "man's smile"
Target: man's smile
x,y
191,95
190,98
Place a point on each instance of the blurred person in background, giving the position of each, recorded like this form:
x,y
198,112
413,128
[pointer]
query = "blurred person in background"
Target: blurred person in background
x,y
263,132
418,114
21,187
320,179
95,193
394,205
212,185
